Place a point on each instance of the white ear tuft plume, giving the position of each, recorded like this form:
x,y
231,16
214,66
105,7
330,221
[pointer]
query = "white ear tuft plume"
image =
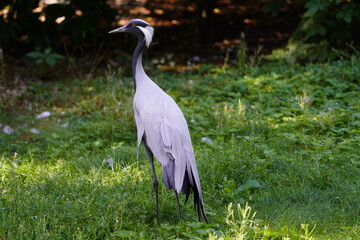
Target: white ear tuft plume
x,y
148,32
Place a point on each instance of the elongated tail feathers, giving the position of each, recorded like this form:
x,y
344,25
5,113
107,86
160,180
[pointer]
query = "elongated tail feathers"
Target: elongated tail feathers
x,y
189,185
198,203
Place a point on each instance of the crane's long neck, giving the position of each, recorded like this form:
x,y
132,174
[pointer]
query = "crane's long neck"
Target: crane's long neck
x,y
137,67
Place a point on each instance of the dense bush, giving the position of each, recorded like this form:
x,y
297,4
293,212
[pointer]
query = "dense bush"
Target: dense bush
x,y
336,20
325,24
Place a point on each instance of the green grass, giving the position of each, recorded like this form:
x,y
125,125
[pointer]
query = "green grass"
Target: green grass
x,y
285,162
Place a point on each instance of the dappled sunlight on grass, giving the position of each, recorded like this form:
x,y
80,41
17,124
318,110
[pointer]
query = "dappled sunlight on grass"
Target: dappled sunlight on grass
x,y
282,139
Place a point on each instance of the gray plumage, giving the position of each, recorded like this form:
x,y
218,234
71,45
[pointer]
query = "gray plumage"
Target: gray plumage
x,y
162,128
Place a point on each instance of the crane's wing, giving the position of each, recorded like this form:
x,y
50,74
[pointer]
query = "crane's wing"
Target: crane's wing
x,y
181,172
175,143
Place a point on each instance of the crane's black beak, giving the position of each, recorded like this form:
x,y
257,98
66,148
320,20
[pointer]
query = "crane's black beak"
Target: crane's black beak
x,y
118,30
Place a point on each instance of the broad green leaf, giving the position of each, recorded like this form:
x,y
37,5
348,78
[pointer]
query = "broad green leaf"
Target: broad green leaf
x,y
47,50
35,54
50,60
249,184
58,56
348,17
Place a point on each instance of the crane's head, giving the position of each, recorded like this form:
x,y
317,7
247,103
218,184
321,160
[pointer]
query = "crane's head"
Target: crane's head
x,y
139,28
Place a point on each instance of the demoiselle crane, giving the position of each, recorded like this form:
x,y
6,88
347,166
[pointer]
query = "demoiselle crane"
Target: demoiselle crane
x,y
162,128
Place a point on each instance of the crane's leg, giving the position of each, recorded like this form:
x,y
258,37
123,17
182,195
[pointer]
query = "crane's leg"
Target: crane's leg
x,y
178,204
150,156
198,210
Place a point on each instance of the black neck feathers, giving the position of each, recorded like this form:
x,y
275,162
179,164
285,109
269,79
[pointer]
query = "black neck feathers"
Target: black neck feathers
x,y
137,56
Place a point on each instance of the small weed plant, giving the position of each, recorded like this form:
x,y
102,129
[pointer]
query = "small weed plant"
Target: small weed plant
x,y
47,57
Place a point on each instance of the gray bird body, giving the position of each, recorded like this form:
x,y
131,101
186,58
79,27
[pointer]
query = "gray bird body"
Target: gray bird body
x,y
161,126
160,120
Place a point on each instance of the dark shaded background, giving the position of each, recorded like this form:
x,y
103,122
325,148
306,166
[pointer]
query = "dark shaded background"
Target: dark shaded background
x,y
185,31
185,28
